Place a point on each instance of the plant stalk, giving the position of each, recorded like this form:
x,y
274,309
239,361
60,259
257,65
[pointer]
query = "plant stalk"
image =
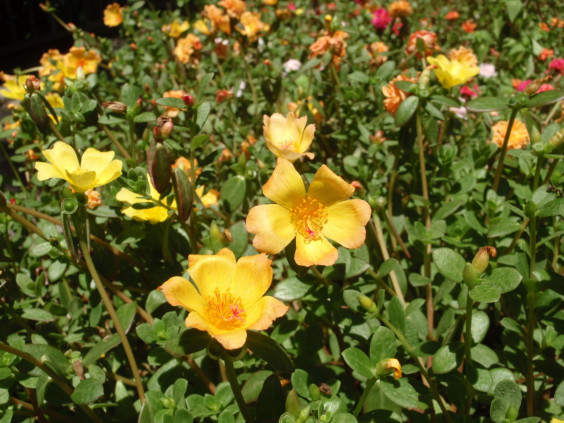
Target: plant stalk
x,y
232,377
369,384
504,150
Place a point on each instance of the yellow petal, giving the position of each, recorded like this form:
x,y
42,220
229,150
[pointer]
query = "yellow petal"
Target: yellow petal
x,y
261,315
252,278
307,137
346,221
95,160
315,252
112,172
272,226
63,157
179,291
285,186
328,188
128,196
211,272
229,339
289,155
47,171
232,340
82,182
275,129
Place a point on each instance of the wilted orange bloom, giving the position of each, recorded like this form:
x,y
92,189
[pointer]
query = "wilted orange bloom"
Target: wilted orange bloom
x,y
235,8
468,26
172,112
221,48
374,50
94,198
544,27
49,61
252,25
176,28
330,42
378,138
283,14
214,20
186,47
429,42
519,137
452,15
113,15
557,22
545,54
463,55
249,141
400,8
394,96
31,155
223,95
184,164
225,156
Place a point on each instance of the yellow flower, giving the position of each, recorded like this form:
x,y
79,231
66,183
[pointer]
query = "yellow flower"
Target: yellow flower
x,y
176,28
310,217
95,169
463,55
186,47
153,214
113,15
209,199
518,139
400,8
289,137
270,2
55,100
13,87
235,8
78,57
555,420
252,25
452,72
228,297
49,61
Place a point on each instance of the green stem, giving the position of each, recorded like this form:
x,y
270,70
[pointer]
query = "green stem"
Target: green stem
x,y
552,112
67,389
468,351
56,131
369,384
232,377
531,319
504,150
319,276
112,312
17,175
118,144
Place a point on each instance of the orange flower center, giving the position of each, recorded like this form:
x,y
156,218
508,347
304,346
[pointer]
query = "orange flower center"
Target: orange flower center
x,y
225,311
308,218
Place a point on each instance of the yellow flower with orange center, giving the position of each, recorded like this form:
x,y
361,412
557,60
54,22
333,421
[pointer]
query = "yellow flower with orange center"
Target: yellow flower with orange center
x,y
394,95
463,55
176,28
156,214
113,15
452,72
287,137
518,138
95,169
252,25
235,8
227,297
186,47
400,8
324,211
78,57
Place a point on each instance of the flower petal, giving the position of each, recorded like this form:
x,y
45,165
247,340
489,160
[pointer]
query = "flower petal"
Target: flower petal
x,y
252,278
346,221
285,186
261,315
82,182
307,138
128,196
47,171
211,272
179,291
272,226
275,129
328,188
62,156
229,339
95,160
113,171
315,252
232,340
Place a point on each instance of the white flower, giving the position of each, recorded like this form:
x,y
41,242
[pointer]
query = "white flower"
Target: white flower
x,y
242,87
487,70
459,111
260,45
292,65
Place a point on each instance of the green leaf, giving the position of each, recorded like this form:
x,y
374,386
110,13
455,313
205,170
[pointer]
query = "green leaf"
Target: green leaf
x,y
559,394
448,357
552,208
197,141
486,104
270,403
506,279
204,82
344,418
146,117
291,289
406,109
99,349
39,250
87,391
154,300
513,9
400,392
252,387
177,103
202,114
358,77
485,293
506,394
56,270
47,353
130,94
546,97
382,344
267,349
38,314
397,314
233,192
126,314
449,263
480,325
528,420
359,362
188,342
300,382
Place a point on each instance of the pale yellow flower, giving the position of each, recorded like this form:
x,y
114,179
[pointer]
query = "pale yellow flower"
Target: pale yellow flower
x,y
209,198
156,214
452,72
176,28
287,137
253,27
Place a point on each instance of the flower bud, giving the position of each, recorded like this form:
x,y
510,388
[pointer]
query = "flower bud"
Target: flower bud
x,y
168,402
556,141
183,194
163,129
158,166
367,304
304,414
387,366
36,110
470,275
188,100
535,135
115,106
482,258
32,84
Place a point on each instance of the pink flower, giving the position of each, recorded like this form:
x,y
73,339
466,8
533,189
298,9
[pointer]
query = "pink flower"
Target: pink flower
x,y
397,27
467,91
381,19
291,6
522,86
545,87
557,65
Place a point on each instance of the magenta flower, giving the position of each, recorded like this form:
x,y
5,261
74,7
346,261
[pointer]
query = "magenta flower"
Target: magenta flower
x,y
381,19
557,65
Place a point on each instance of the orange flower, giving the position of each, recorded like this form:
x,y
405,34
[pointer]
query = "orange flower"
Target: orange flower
x,y
544,27
374,50
184,164
78,57
227,297
235,8
429,42
452,15
324,211
557,22
400,8
468,26
214,19
49,61
186,47
463,55
545,54
330,42
252,25
172,112
394,96
113,15
518,139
